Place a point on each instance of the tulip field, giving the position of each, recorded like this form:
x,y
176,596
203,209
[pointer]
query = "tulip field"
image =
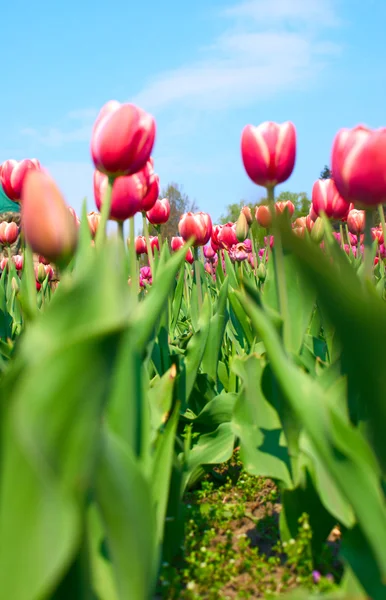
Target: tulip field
x,y
202,416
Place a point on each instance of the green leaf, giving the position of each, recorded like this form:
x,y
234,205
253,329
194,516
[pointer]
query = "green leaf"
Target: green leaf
x,y
216,334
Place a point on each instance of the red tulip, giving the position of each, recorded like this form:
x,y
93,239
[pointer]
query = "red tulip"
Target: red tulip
x,y
280,207
326,198
140,244
151,195
9,233
196,225
154,242
128,192
214,241
18,261
359,165
176,243
377,234
122,139
41,272
268,152
227,236
12,176
263,215
356,221
47,223
160,212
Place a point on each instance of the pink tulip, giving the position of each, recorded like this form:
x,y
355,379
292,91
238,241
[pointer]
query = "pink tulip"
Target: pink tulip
x,y
18,261
93,220
356,221
280,207
197,226
9,233
377,234
238,253
177,243
269,240
145,276
359,165
152,193
159,213
326,198
122,139
140,244
4,263
47,223
12,176
214,241
268,152
248,214
209,253
227,236
127,196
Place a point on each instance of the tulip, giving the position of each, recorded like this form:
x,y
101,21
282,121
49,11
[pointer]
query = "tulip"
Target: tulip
x,y
93,220
377,234
214,241
46,221
248,214
209,253
43,260
127,195
356,221
359,165
122,139
145,276
269,240
4,263
13,174
177,243
74,216
197,226
242,227
312,214
268,152
227,236
238,253
140,244
159,213
300,222
317,232
154,242
208,268
9,233
152,193
299,231
263,216
280,207
18,261
261,272
42,271
326,199
248,245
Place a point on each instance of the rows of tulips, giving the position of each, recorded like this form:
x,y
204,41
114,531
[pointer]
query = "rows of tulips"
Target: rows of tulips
x,y
151,360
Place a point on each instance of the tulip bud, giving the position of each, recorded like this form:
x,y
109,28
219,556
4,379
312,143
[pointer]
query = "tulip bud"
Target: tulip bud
x,y
247,213
268,152
317,232
140,245
356,221
159,213
47,223
197,226
263,216
40,273
18,261
122,139
261,272
15,286
9,232
93,219
4,263
359,165
326,199
287,205
12,176
242,227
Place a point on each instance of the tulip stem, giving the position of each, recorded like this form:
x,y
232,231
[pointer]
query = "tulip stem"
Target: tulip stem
x,y
105,213
348,239
121,232
198,277
368,266
278,258
341,235
133,261
382,215
148,245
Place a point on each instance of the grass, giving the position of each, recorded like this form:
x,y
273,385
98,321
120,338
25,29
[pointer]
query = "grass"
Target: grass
x,y
232,548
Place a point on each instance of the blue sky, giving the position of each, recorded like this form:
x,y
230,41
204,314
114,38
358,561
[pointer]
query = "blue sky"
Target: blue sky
x,y
204,69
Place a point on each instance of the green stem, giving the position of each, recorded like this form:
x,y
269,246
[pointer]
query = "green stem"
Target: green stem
x,y
148,244
368,266
348,239
382,215
133,262
198,277
121,232
341,235
159,238
105,213
278,259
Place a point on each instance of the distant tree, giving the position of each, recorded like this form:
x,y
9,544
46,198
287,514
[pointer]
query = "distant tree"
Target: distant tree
x,y
179,204
325,173
233,212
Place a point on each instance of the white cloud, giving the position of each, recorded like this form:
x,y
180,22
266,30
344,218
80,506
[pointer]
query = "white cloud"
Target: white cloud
x,y
269,47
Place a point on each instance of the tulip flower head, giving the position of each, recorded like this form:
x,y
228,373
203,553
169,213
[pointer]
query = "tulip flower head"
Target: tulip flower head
x,y
9,232
238,253
268,152
159,213
356,221
145,277
197,226
13,174
140,244
359,165
176,243
122,139
48,226
263,216
93,220
326,199
227,236
128,192
18,261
